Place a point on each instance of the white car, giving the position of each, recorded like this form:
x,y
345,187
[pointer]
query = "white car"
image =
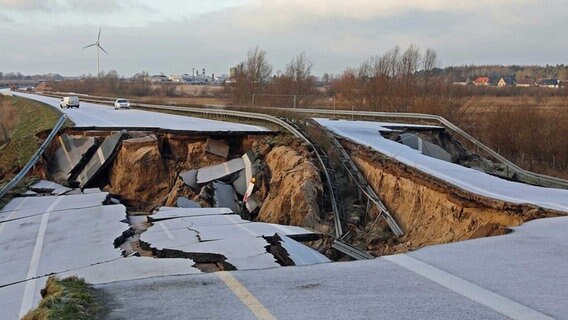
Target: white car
x,y
69,102
121,104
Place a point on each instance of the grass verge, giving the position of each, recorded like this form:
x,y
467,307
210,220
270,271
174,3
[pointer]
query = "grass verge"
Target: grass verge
x,y
32,118
66,299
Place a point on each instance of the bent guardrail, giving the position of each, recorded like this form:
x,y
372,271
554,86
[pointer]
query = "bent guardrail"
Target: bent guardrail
x,y
35,157
522,174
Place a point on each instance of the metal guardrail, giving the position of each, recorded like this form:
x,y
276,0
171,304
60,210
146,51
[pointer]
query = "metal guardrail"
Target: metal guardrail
x,y
361,182
35,157
350,250
535,178
337,216
522,174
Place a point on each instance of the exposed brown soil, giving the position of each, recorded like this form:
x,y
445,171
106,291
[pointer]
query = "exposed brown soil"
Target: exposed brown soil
x,y
139,174
295,189
429,210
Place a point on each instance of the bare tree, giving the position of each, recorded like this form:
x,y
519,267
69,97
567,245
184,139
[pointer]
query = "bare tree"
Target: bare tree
x,y
253,75
429,62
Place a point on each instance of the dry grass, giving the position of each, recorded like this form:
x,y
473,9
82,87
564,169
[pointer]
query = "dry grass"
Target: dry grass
x,y
8,120
66,299
33,118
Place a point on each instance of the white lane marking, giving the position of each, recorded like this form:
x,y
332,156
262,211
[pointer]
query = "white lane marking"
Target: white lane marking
x,y
248,168
246,297
30,289
503,305
166,231
65,150
101,155
241,225
2,225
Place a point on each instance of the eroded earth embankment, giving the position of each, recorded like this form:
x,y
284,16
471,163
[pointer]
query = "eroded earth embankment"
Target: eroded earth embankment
x,y
432,211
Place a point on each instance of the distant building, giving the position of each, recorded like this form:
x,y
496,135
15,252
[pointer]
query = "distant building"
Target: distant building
x,y
506,82
547,83
202,79
175,78
159,78
482,82
463,82
526,83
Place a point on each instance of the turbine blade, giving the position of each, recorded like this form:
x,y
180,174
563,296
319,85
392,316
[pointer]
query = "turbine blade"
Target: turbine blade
x,y
98,45
94,44
99,36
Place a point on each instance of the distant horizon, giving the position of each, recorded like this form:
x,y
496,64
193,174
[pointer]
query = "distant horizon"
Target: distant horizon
x,y
316,75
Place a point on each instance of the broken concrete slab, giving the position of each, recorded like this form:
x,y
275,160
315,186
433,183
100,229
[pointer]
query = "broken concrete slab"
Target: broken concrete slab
x,y
240,183
172,213
217,147
184,202
219,171
133,268
101,159
300,254
141,141
224,196
190,179
53,221
243,253
425,147
253,203
245,176
49,187
72,155
254,229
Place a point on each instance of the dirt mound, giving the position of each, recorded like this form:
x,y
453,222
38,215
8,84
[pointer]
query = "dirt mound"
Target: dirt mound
x,y
431,211
295,190
138,173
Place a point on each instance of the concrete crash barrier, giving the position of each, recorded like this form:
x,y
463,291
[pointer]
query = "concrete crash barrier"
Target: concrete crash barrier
x,y
101,159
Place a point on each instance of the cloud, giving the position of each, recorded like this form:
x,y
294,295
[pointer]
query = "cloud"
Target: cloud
x,y
27,5
368,9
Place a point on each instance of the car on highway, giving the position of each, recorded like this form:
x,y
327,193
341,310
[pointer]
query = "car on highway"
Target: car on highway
x,y
69,102
121,104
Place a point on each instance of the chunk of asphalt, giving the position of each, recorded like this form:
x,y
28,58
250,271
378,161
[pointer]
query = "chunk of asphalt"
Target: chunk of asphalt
x,y
190,179
224,196
219,171
102,158
183,202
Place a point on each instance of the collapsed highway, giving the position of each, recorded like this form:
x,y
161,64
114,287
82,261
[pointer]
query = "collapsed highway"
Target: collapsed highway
x,y
347,194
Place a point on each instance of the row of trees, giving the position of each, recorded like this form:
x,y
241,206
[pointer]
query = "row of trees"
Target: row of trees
x,y
255,76
392,81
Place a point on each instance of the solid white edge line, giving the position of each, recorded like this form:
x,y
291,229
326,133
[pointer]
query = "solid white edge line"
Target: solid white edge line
x,y
467,289
246,297
30,288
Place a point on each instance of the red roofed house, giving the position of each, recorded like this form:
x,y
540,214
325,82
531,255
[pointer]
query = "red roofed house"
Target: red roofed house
x,y
482,82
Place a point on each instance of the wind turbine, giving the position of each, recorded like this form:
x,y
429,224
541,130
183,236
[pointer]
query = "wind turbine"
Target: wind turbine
x,y
98,45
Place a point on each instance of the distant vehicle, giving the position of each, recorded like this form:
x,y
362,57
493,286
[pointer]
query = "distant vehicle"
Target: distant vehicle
x,y
121,104
69,102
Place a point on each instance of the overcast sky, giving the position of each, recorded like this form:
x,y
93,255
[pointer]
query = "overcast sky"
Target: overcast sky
x,y
173,36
